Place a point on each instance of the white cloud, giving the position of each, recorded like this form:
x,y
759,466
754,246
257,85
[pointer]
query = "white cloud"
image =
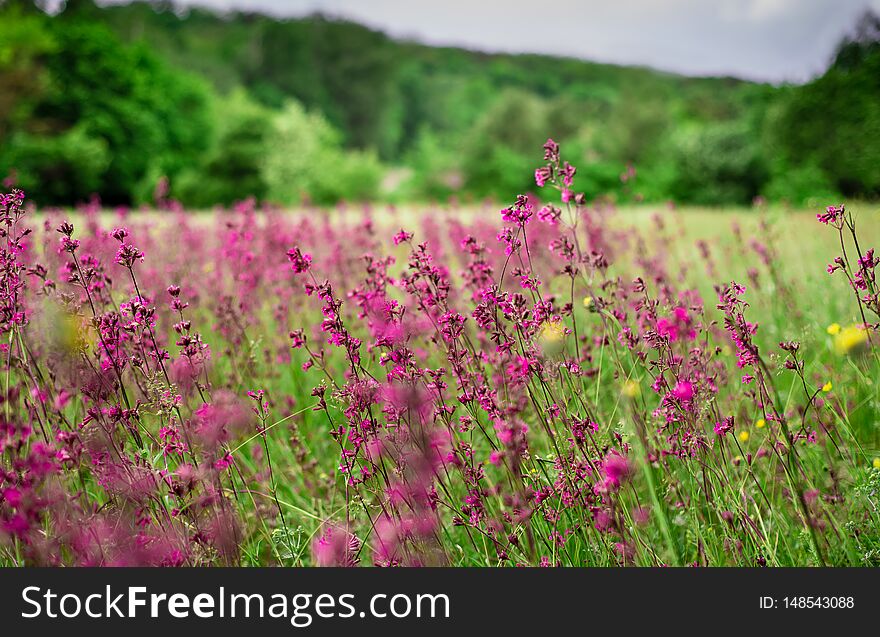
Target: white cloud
x,y
760,10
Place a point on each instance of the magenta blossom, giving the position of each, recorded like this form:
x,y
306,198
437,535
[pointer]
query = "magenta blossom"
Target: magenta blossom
x,y
299,262
616,469
724,427
677,326
683,390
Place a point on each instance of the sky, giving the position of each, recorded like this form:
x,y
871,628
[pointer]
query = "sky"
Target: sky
x,y
767,40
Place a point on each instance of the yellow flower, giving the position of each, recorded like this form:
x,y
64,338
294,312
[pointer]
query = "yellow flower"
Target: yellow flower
x,y
590,303
850,338
744,436
74,333
876,463
833,329
631,389
552,332
827,387
550,336
761,423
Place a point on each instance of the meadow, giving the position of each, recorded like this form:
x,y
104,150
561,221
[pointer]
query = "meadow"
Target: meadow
x,y
556,383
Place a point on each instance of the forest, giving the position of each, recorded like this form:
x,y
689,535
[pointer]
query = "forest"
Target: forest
x,y
213,108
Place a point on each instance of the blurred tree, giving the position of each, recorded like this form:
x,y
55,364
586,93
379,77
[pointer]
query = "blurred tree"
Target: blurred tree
x,y
833,123
25,43
718,163
500,152
633,127
133,115
232,169
435,171
305,161
66,167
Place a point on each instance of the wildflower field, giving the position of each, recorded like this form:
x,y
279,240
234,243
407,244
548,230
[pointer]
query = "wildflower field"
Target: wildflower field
x,y
560,383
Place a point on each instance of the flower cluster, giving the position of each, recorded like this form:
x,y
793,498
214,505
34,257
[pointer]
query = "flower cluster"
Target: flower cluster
x,y
291,388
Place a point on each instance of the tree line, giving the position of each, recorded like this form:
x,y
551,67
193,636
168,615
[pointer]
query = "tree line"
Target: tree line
x,y
111,100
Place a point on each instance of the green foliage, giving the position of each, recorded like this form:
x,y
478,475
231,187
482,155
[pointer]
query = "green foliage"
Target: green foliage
x,y
599,177
344,70
833,123
498,156
633,128
435,174
232,169
64,167
24,44
305,161
804,185
134,114
479,116
148,90
717,163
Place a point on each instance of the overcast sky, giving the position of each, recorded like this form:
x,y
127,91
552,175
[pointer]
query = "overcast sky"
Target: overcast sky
x,y
775,40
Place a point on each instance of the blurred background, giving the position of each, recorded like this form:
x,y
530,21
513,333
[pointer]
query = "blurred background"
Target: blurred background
x,y
709,103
